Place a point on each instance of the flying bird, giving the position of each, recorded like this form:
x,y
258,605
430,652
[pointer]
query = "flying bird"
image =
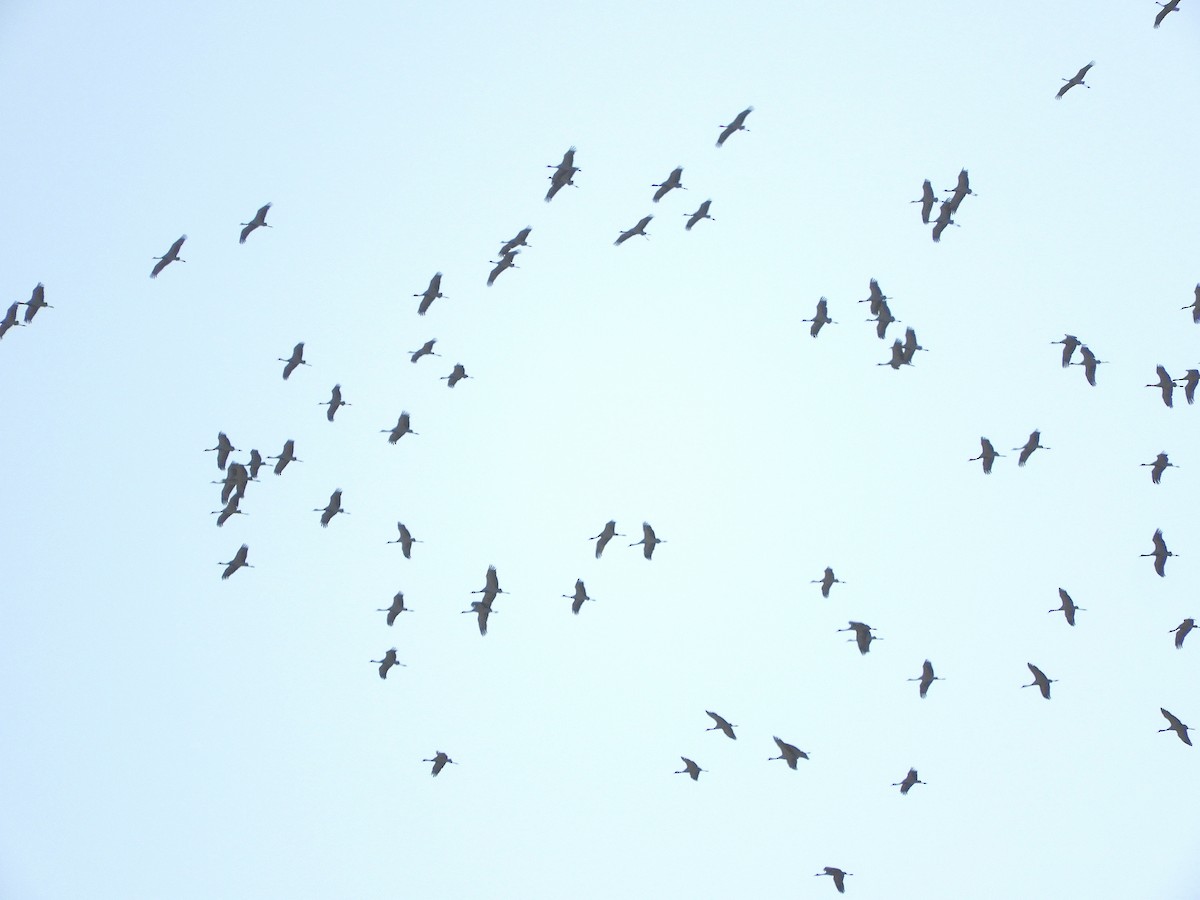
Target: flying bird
x,y
1190,381
433,292
602,539
927,200
988,454
1077,78
230,510
1194,306
9,320
334,402
1160,465
1089,363
1069,342
439,762
639,228
862,636
1176,726
239,560
701,213
397,606
406,540
821,318
910,345
1034,443
491,586
959,191
671,182
259,221
1166,383
909,780
876,298
389,660
839,877
826,582
518,241
456,376
943,220
564,174
402,428
36,301
690,768
426,350
482,609
1040,680
927,678
789,753
1160,553
236,479
169,257
294,361
648,541
288,455
1169,7
1068,607
224,448
505,262
897,359
722,724
884,318
256,463
1181,631
738,124
579,597
332,508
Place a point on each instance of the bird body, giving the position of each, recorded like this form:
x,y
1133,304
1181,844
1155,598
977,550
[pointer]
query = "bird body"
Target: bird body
x,y
230,510
1169,7
701,213
224,448
1040,680
691,769
433,292
1161,464
286,456
988,454
335,402
1068,608
1176,726
36,301
1166,384
639,228
672,181
1181,631
827,581
456,376
602,539
439,762
239,560
883,318
1160,553
518,241
722,724
506,261
648,541
926,200
897,359
1190,381
821,318
1089,363
169,257
426,350
738,124
789,753
396,608
876,298
294,361
402,428
1034,443
1075,79
259,221
959,191
909,780
579,597
564,174
943,220
862,636
839,877
10,319
406,540
927,678
332,508
389,660
482,609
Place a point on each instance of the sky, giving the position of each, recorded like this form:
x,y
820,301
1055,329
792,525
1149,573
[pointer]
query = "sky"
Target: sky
x,y
167,733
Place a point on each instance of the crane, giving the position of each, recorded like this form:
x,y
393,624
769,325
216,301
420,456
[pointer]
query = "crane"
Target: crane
x,y
491,586
332,508
1160,465
821,318
564,174
256,463
239,560
1040,680
943,220
36,301
909,780
1068,608
286,456
1160,553
691,769
1169,7
926,200
426,350
389,660
402,428
396,608
876,298
1166,384
1069,342
1194,306
406,540
1034,443
456,376
9,320
672,181
639,228
230,510
506,261
224,448
1181,631
259,221
648,541
927,678
236,478
722,724
602,539
579,597
1075,79
518,241
738,124
897,359
788,753
482,609
884,318
862,636
1176,726
1089,364
701,213
334,402
1190,381
910,345
169,257
433,292
826,582
294,361
959,192
839,877
988,454
439,762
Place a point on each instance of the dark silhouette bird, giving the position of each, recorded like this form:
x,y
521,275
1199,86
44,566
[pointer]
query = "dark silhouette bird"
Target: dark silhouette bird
x,y
256,463
406,540
1089,363
1189,383
602,539
926,200
579,597
1166,384
648,541
1194,306
909,780
402,428
9,320
439,762
294,361
927,678
482,609
839,878
1034,443
239,560
959,192
1169,7
564,174
821,318
1075,79
506,261
334,402
230,510
1040,680
332,508
288,455
701,213
236,479
224,448
396,608
690,768
943,220
884,318
1160,553
518,241
426,350
169,257
1176,726
433,292
639,228
876,298
389,660
789,753
910,345
1069,342
259,221
738,124
672,181
862,636
456,376
826,582
1181,631
1068,608
988,454
1160,465
897,359
36,301
491,586
721,725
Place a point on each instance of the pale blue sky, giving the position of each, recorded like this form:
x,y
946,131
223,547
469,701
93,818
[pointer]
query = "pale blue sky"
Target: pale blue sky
x,y
167,734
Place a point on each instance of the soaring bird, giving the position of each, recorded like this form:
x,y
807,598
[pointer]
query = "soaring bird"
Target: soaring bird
x,y
672,181
1068,607
821,318
1169,7
909,780
1089,363
884,318
701,213
789,753
236,479
389,660
959,191
1034,443
722,725
518,241
943,220
256,463
332,508
1160,553
1069,342
897,359
1040,679
286,456
564,174
1189,383
826,582
988,454
1176,726
426,350
1181,631
602,539
839,877
648,541
506,261
927,200
439,762
259,221
927,678
690,768
169,257
862,636
738,124
224,448
1194,306
482,609
456,376
876,298
1166,383
1160,465
36,301
396,608
579,597
433,292
639,228
334,402
402,428
230,510
239,560
406,540
9,320
491,586
1077,78
293,361
910,345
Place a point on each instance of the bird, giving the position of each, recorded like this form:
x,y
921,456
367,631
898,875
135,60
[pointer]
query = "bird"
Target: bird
x,y
1069,342
579,597
789,753
491,586
862,636
406,540
294,361
439,762
821,318
943,220
231,509
402,428
826,582
389,660
884,318
1190,381
1181,631
456,376
286,456
1169,7
1068,607
1032,444
690,768
9,320
1194,306
332,508
1160,553
701,213
505,262
910,345
169,257
672,181
36,301
602,539
1160,465
433,292
1039,678
959,191
259,221
1077,78
927,678
256,463
224,448
988,454
648,541
239,560
876,298
639,228
396,608
518,241
839,877
1176,726
426,350
564,174
334,402
738,124
1089,364
482,608
234,483
722,725
1166,383
897,359
909,780
926,200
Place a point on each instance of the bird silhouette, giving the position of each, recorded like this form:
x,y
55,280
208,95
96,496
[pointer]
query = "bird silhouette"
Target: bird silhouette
x,y
579,597
839,877
1181,631
439,762
456,376
821,318
1176,726
701,213
1034,443
426,350
36,301
1069,342
1166,384
738,124
691,769
826,581
639,228
602,539
1160,553
259,221
389,660
1040,680
909,780
1158,467
433,292
169,257
648,541
406,540
722,725
334,402
1068,608
926,678
988,454
862,636
402,428
332,508
1075,79
239,560
293,361
789,753
1169,7
396,608
927,199
672,181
